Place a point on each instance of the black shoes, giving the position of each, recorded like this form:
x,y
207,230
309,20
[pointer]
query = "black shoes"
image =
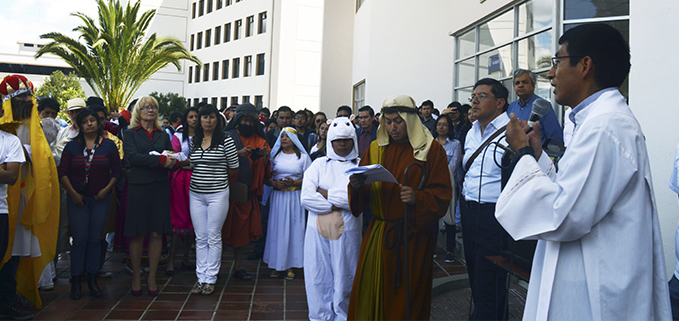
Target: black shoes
x,y
95,291
76,288
256,255
13,312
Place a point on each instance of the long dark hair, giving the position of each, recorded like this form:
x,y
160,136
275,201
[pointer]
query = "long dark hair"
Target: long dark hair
x,y
80,119
451,132
185,130
217,135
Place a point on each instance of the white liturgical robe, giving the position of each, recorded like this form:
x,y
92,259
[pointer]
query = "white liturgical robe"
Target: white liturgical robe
x,y
599,254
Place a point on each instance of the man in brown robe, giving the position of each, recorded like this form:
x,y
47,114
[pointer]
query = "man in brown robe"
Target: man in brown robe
x,y
243,222
379,291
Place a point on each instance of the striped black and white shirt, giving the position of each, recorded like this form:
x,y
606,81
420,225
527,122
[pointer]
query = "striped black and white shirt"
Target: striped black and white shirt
x,y
210,167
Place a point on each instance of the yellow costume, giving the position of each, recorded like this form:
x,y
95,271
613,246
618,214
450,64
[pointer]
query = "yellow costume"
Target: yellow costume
x,y
37,188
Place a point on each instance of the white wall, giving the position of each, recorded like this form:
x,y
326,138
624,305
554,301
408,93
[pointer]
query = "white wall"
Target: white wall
x,y
297,47
404,49
338,32
652,88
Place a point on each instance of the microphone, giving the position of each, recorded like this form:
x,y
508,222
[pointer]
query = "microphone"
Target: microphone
x,y
540,108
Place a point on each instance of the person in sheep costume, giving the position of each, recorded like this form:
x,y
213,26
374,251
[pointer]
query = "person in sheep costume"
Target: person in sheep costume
x,y
333,235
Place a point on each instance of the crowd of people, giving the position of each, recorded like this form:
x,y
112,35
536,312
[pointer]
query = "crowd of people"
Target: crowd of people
x,y
293,184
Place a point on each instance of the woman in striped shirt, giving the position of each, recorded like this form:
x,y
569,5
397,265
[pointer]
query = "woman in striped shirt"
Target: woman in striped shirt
x,y
213,160
89,169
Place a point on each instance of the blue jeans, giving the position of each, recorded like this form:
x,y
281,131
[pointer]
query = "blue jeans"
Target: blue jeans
x,y
87,225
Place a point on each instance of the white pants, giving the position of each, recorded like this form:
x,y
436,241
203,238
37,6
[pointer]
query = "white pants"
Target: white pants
x,y
208,213
329,268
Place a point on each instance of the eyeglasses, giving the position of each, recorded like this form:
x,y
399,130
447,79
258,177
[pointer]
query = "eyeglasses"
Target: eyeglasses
x,y
147,108
556,59
480,96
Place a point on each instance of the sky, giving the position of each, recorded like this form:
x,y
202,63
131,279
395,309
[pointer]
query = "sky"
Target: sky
x,y
26,20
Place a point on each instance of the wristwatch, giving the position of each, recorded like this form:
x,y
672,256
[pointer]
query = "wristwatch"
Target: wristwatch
x,y
522,151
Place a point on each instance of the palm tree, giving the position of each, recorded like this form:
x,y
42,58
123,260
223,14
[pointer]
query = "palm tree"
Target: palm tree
x,y
114,57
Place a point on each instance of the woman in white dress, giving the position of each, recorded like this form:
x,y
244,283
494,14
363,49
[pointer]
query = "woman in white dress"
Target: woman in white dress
x,y
284,248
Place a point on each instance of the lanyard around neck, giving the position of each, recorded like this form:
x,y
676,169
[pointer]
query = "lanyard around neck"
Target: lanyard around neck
x,y
88,159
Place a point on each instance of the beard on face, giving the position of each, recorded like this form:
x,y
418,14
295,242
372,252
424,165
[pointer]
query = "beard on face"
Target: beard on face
x,y
21,109
246,130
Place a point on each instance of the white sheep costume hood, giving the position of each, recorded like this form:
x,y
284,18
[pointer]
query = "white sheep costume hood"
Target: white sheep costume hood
x,y
341,128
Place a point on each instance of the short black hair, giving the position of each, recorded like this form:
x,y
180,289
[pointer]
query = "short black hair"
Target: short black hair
x,y
605,46
428,103
48,102
284,109
131,105
368,109
344,108
176,117
465,108
266,111
303,113
496,88
96,108
455,104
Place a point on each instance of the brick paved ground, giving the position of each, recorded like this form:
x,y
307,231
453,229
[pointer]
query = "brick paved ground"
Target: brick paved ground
x,y
263,298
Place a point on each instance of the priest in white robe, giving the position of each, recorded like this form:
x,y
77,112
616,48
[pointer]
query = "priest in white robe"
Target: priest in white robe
x,y
599,254
333,236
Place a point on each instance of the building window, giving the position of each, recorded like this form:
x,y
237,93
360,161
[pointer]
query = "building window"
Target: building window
x,y
227,32
196,101
358,4
190,74
206,72
234,101
188,102
249,25
225,69
208,37
262,23
260,64
204,100
247,67
228,2
219,4
525,36
237,30
235,70
209,6
193,11
246,99
213,101
193,38
199,40
359,95
201,8
218,34
197,78
259,101
215,70
223,103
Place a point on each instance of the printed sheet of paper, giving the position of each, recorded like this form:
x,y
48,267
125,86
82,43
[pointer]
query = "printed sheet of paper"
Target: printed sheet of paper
x,y
374,173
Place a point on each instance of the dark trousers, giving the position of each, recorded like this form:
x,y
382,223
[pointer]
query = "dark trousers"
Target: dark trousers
x,y
261,241
674,297
8,283
87,224
450,238
482,236
4,234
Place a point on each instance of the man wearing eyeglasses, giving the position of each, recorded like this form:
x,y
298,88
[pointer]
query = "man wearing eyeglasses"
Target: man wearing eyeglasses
x,y
524,86
481,233
599,254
